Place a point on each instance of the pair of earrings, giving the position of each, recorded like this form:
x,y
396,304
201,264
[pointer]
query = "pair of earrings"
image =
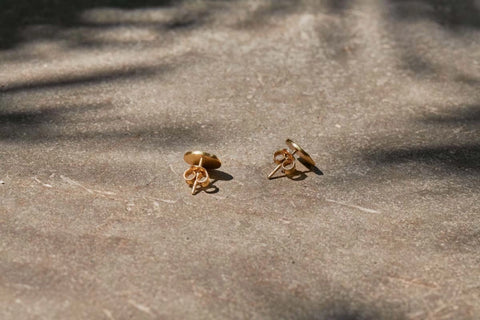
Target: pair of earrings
x,y
199,161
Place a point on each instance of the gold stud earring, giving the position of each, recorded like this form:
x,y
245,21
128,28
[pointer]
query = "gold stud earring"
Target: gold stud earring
x,y
286,160
197,174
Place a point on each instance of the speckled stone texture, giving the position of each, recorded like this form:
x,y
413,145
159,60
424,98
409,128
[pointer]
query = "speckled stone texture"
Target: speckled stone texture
x,y
100,99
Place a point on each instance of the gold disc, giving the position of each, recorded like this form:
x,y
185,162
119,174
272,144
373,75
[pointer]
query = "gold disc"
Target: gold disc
x,y
302,153
210,161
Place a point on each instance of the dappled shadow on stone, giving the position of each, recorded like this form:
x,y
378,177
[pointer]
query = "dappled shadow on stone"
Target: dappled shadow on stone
x,y
17,14
459,156
335,309
468,80
68,123
462,239
463,159
37,124
338,6
469,114
38,117
53,125
262,15
91,78
96,122
450,14
403,18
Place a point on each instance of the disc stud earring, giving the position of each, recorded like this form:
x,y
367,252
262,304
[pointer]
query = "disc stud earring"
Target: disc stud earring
x,y
286,160
197,174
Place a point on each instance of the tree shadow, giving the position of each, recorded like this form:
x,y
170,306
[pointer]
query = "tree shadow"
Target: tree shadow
x,y
340,310
91,78
469,114
263,14
32,124
337,307
450,14
29,128
458,159
453,16
60,123
36,124
337,6
466,239
86,124
18,14
463,157
36,118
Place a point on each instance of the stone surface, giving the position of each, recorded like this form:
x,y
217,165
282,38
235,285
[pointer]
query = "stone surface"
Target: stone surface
x,y
99,100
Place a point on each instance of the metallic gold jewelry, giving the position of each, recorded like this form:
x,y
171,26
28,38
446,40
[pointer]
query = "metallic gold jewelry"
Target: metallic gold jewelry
x,y
197,173
286,160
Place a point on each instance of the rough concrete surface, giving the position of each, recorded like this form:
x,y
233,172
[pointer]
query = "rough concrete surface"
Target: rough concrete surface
x,y
100,99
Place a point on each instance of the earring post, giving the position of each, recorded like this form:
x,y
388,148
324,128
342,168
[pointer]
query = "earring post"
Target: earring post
x,y
279,166
194,188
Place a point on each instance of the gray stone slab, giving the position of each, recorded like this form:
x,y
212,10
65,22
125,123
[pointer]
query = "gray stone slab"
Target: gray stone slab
x,y
99,101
